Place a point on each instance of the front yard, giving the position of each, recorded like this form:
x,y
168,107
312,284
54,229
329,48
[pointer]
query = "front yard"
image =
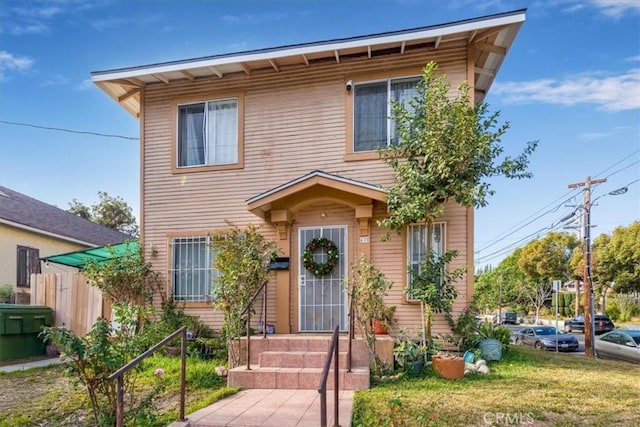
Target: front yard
x,y
528,387
47,397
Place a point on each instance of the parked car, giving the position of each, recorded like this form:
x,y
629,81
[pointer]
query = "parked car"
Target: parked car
x,y
508,317
546,338
602,324
621,345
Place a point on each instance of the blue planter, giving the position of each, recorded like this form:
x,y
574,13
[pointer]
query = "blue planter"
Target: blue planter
x,y
491,349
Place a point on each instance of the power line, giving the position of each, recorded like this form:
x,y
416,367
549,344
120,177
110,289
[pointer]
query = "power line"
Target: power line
x,y
519,226
106,135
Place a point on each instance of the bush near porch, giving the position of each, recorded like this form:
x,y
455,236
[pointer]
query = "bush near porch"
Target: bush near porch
x,y
540,388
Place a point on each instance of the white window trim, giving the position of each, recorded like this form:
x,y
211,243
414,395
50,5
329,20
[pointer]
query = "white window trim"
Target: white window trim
x,y
389,121
443,238
205,298
206,147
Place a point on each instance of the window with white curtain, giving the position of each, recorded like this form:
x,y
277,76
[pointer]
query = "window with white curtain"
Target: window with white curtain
x,y
208,133
192,270
372,125
421,240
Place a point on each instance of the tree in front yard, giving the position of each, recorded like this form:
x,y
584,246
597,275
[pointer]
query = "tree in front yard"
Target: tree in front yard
x,y
447,150
243,257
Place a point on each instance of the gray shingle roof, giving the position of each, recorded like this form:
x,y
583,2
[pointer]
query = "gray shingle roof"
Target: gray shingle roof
x,y
21,209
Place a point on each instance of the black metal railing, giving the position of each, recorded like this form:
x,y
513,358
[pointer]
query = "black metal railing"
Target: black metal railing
x,y
119,374
351,330
247,311
332,354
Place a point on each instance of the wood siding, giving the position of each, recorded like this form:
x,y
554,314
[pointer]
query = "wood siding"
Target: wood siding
x,y
295,121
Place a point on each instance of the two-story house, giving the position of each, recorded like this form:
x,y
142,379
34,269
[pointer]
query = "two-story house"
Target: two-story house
x,y
286,137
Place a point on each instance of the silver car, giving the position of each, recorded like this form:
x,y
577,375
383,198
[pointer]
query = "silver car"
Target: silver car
x,y
619,344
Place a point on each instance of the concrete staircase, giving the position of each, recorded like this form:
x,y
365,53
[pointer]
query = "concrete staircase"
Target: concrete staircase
x,y
296,362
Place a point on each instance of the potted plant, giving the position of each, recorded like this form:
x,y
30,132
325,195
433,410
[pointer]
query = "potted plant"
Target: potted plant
x,y
384,320
494,339
411,356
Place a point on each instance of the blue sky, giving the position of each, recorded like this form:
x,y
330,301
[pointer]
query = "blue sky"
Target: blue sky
x,y
571,81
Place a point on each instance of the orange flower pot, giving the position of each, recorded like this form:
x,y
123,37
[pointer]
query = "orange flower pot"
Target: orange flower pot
x,y
379,328
451,368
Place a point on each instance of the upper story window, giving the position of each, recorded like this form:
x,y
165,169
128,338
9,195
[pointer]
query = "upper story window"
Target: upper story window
x,y
373,127
28,263
420,240
192,270
208,133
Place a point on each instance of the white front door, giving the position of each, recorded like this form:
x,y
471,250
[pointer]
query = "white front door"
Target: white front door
x,y
322,300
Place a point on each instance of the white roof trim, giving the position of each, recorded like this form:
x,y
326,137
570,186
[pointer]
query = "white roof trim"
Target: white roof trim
x,y
46,233
313,175
438,31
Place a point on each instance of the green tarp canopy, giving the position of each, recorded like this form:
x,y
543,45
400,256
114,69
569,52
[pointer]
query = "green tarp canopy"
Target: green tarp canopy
x,y
79,259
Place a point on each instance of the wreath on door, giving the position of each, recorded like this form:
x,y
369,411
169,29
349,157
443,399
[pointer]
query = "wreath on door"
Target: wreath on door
x,y
320,269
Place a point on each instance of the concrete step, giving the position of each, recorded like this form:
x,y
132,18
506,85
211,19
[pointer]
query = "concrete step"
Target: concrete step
x,y
298,359
295,378
304,343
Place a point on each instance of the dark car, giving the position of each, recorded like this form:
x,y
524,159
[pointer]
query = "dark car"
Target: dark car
x,y
546,338
602,324
508,317
621,345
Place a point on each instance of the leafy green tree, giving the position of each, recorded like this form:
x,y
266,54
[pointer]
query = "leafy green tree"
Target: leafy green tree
x,y
501,286
448,149
113,212
242,259
547,259
618,258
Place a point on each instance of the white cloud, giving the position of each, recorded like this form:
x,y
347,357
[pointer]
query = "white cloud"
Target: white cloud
x,y
633,58
616,8
55,80
86,84
10,62
591,136
107,24
609,93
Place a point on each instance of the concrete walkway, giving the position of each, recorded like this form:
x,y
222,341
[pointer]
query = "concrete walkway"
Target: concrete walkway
x,y
271,407
28,365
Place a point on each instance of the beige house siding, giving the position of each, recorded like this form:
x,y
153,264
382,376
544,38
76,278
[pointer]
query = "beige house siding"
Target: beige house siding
x,y
12,237
295,121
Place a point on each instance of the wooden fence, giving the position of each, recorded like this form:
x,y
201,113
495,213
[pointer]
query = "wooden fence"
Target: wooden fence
x,y
76,304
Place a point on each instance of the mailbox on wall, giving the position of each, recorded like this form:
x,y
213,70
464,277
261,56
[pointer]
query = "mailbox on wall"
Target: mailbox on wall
x,y
280,263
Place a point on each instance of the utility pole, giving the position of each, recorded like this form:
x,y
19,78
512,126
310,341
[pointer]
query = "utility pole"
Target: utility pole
x,y
589,350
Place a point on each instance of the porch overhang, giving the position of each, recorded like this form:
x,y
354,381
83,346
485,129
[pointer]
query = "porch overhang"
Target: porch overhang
x,y
314,186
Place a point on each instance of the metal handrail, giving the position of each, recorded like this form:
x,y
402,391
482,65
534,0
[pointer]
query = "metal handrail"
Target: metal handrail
x,y
119,374
351,330
264,318
332,353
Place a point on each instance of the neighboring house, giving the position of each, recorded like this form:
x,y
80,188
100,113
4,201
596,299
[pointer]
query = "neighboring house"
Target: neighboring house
x,y
286,137
31,229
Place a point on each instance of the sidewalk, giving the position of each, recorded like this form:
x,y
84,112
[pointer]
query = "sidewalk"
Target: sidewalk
x,y
271,407
28,365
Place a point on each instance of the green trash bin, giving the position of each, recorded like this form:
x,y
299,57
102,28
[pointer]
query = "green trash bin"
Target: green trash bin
x,y
19,329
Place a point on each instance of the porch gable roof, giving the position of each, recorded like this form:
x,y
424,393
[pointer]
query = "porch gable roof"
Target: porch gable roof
x,y
320,183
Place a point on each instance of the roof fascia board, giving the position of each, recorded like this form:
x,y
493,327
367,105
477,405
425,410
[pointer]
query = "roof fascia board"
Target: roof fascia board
x,y
45,233
439,31
311,176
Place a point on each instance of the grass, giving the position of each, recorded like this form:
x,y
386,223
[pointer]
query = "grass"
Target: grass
x,y
527,387
47,397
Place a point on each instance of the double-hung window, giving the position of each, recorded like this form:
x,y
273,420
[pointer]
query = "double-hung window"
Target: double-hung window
x,y
372,125
420,240
192,270
28,263
208,133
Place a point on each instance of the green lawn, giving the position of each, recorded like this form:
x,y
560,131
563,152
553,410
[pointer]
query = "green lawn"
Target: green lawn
x,y
47,397
528,387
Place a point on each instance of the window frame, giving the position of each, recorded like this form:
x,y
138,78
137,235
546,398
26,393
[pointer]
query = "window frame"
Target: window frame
x,y
31,265
239,164
389,77
443,248
205,301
